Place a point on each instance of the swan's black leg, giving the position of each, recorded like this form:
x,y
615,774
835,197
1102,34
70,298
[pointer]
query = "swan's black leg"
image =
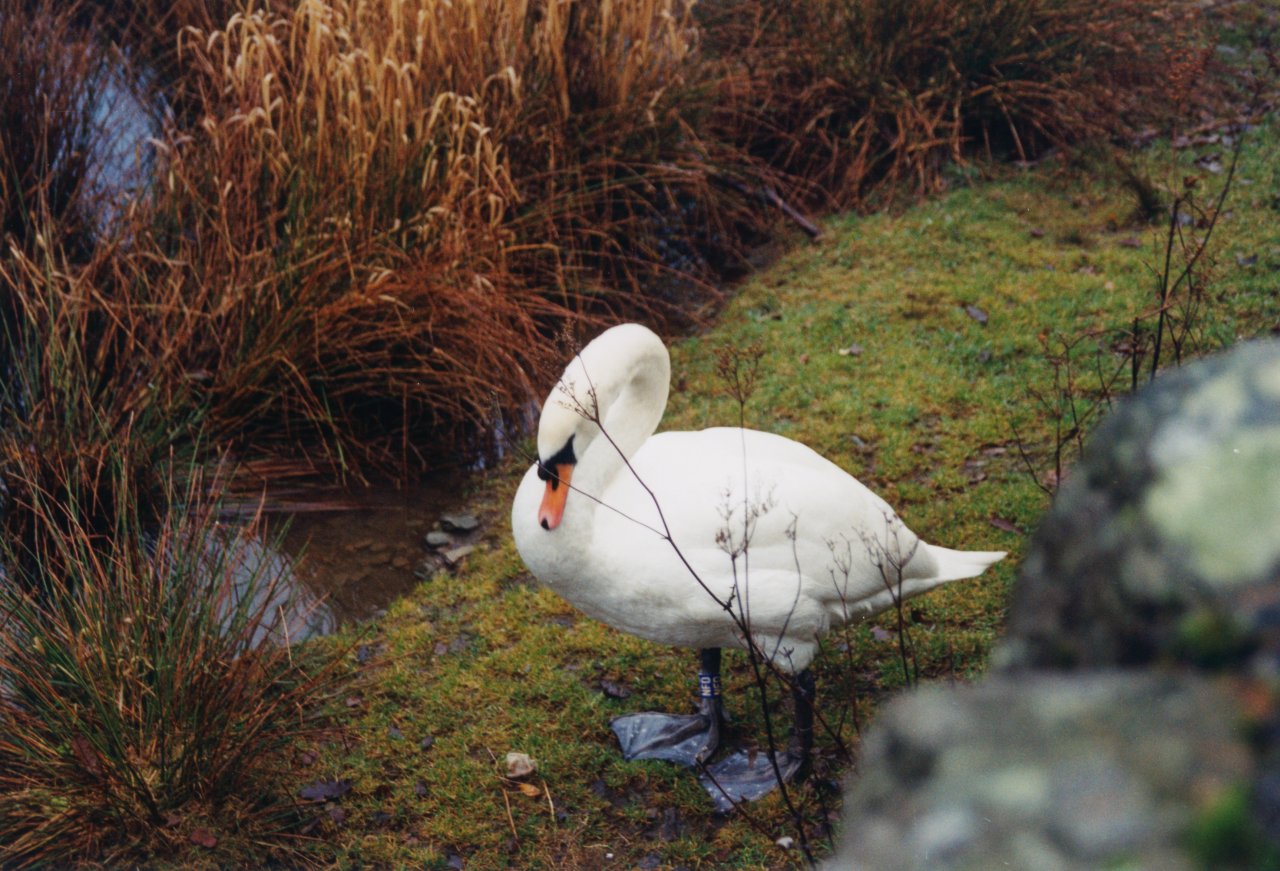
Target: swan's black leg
x,y
803,690
688,739
747,776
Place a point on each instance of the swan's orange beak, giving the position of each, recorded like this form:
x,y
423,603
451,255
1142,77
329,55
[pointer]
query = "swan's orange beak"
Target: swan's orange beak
x,y
551,512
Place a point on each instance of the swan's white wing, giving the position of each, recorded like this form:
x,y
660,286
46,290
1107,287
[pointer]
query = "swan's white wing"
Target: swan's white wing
x,y
821,549
816,538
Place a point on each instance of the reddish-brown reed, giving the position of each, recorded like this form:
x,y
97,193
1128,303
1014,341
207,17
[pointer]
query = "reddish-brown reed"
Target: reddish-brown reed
x,y
860,96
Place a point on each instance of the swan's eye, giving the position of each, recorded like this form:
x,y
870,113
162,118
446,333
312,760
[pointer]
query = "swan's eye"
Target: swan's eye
x,y
563,457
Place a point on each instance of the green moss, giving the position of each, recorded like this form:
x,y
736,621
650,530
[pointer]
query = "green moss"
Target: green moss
x,y
925,415
1224,835
1210,639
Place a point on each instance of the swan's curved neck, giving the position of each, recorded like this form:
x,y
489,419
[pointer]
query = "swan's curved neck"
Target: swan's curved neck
x,y
630,406
629,412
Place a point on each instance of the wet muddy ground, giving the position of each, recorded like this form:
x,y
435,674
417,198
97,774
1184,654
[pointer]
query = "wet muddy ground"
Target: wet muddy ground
x,y
362,556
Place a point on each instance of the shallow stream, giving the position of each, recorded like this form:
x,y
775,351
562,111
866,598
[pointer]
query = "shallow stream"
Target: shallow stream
x,y
362,556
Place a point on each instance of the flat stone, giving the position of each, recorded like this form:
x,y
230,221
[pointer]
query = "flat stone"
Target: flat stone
x,y
454,555
437,539
459,522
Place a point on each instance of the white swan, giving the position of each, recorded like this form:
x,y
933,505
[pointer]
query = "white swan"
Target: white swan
x,y
822,550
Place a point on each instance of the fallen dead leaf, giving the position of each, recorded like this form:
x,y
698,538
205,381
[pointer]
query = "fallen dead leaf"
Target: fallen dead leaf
x,y
615,690
202,837
86,755
1006,525
324,790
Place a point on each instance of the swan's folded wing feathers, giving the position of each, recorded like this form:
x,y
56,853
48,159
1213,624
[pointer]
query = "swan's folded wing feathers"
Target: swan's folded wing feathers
x,y
815,533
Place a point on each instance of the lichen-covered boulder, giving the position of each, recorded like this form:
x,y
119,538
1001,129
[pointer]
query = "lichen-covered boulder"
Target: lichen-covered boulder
x,y
1132,719
1054,773
1163,543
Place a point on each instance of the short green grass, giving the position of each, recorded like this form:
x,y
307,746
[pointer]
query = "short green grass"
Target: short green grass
x,y
487,662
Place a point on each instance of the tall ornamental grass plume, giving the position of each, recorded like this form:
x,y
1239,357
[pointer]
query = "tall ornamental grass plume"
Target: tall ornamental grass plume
x,y
148,695
860,96
383,206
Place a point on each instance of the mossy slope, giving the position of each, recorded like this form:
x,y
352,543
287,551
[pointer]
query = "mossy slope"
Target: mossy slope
x,y
945,302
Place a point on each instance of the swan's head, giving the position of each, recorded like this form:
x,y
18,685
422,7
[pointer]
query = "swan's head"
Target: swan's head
x,y
618,382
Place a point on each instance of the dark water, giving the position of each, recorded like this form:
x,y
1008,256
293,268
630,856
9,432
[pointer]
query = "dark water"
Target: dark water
x,y
353,560
363,557
122,154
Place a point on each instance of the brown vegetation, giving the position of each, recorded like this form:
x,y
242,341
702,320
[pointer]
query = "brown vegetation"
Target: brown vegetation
x,y
366,218
853,95
140,701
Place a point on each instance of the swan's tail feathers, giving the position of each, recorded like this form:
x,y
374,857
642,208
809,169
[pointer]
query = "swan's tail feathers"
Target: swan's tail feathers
x,y
954,565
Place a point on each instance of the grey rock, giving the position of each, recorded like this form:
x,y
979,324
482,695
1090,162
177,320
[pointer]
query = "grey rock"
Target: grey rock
x,y
1067,772
454,555
1160,556
459,522
1163,544
437,539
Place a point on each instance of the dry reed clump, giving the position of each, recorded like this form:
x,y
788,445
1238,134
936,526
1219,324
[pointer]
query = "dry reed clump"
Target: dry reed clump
x,y
858,96
366,213
384,205
139,709
92,370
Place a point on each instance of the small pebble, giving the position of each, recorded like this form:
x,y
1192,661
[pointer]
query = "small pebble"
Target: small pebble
x,y
520,765
454,555
459,522
436,539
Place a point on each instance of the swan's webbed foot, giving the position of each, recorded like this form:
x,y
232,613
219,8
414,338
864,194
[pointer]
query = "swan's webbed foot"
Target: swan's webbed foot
x,y
689,739
744,776
685,739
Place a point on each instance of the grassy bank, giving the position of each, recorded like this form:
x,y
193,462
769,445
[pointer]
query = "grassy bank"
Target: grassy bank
x,y
947,304
359,230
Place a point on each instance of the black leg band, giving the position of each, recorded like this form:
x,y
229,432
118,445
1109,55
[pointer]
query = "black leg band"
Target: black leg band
x,y
709,675
708,685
